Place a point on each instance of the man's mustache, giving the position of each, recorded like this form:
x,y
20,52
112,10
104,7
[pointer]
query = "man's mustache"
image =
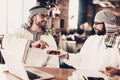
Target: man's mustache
x,y
44,21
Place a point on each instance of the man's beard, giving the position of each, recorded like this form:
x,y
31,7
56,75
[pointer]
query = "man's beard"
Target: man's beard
x,y
42,25
100,32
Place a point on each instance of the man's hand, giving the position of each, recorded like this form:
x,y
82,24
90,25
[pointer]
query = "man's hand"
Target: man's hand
x,y
63,55
43,44
111,71
39,44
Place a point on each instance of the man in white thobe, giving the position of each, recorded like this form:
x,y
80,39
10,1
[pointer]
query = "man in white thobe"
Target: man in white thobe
x,y
100,52
33,36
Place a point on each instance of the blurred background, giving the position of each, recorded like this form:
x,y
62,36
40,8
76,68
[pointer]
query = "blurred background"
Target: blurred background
x,y
70,21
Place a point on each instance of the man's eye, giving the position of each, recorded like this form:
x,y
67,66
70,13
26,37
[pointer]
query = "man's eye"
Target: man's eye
x,y
96,23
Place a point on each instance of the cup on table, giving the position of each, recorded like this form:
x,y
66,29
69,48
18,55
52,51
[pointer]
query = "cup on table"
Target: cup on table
x,y
77,76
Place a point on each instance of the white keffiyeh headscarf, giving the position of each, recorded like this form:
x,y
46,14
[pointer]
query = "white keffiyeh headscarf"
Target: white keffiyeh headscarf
x,y
36,10
112,29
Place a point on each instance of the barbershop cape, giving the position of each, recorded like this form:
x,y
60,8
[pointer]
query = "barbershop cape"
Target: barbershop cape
x,y
18,43
94,55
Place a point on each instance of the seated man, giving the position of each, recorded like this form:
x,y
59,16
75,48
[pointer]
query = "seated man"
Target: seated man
x,y
32,34
101,51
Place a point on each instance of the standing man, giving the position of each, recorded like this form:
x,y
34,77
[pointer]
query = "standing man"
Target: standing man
x,y
32,34
100,52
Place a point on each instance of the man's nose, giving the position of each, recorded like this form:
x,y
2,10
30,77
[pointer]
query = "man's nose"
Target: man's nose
x,y
94,26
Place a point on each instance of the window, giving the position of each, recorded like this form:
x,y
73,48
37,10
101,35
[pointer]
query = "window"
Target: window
x,y
73,14
13,14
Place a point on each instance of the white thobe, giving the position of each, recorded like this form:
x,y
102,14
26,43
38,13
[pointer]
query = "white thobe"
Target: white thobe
x,y
19,43
94,55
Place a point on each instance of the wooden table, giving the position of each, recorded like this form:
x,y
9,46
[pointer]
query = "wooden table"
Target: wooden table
x,y
59,73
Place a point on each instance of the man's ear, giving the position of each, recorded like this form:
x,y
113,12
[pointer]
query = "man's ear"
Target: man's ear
x,y
34,17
